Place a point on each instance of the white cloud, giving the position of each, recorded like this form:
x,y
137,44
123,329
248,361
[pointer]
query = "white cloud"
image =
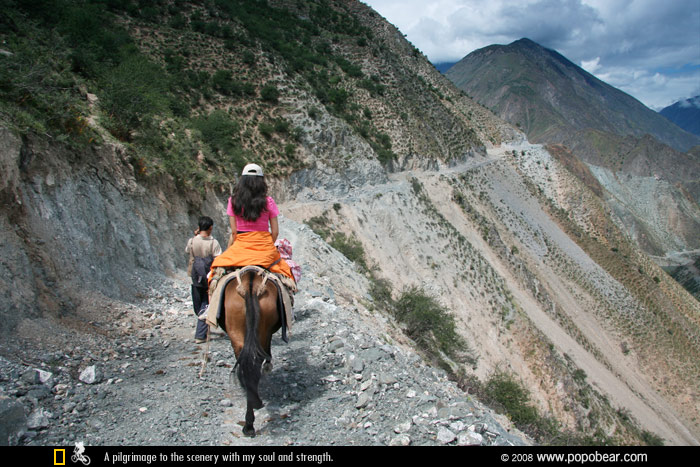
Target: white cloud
x,y
592,65
695,102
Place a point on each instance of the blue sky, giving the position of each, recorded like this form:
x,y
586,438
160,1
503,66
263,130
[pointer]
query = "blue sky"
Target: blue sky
x,y
648,48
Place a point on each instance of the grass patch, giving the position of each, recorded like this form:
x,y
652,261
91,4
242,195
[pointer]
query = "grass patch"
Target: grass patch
x,y
351,247
509,396
428,323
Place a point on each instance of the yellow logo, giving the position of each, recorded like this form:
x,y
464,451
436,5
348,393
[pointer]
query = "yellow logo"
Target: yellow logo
x,y
59,457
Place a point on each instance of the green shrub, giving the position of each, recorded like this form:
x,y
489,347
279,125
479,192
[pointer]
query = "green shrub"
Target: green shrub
x,y
510,397
320,225
385,156
338,97
373,85
281,126
351,247
38,93
380,290
384,140
248,57
218,130
650,439
289,150
348,67
134,90
314,113
223,81
266,129
416,186
507,395
428,322
178,22
270,93
95,40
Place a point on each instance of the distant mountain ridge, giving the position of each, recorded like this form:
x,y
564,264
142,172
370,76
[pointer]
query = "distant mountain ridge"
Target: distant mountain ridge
x,y
685,114
551,98
443,67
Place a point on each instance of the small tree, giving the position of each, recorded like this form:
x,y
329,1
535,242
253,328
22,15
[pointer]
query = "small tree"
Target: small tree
x,y
270,93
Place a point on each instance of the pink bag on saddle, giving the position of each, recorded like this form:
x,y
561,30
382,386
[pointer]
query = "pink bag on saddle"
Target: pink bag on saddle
x,y
285,249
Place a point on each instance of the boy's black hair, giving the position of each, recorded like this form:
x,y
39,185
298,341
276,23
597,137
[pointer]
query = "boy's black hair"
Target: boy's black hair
x,y
205,223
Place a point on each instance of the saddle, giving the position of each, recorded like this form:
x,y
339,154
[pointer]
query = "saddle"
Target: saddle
x,y
220,280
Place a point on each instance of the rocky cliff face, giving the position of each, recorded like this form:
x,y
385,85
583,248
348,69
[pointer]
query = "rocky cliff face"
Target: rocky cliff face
x,y
525,258
75,221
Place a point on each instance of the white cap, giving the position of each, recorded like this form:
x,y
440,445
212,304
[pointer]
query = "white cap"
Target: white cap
x,y
252,169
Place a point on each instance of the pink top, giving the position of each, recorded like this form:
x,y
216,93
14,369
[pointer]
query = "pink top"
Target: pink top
x,y
261,224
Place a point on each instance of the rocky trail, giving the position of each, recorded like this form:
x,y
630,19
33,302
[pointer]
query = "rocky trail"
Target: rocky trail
x,y
345,378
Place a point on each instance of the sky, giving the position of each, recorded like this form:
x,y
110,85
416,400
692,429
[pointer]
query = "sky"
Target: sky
x,y
649,49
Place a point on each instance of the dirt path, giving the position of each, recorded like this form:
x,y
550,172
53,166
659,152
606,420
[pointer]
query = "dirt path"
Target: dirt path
x,y
342,379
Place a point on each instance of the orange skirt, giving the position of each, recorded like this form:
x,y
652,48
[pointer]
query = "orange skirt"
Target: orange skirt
x,y
253,249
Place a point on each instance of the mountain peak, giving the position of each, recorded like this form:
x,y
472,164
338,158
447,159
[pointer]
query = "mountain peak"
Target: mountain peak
x,y
685,114
553,99
525,42
521,45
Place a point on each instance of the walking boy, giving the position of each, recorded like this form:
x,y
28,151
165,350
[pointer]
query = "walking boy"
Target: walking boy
x,y
202,249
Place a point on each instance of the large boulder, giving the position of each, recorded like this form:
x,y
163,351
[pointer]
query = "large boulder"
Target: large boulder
x,y
13,421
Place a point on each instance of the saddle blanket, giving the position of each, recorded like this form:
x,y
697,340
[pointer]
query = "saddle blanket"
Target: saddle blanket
x,y
221,279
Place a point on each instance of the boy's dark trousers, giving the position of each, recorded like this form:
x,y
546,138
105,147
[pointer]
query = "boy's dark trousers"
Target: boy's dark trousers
x,y
200,298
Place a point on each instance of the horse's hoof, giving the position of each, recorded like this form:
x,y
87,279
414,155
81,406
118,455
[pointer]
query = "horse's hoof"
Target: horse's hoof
x,y
249,431
267,367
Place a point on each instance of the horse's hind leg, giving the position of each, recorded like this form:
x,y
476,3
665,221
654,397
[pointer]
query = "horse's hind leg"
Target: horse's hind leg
x,y
248,429
266,343
253,402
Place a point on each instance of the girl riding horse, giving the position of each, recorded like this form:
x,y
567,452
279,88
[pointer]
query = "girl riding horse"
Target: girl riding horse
x,y
251,309
254,226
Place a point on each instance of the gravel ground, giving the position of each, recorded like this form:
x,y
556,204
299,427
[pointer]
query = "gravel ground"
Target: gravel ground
x,y
341,380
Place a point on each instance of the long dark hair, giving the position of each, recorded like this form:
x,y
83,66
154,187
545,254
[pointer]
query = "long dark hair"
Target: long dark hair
x,y
250,197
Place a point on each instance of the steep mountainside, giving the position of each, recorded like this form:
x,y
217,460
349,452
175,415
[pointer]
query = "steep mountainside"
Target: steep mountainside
x,y
551,99
637,156
432,225
685,114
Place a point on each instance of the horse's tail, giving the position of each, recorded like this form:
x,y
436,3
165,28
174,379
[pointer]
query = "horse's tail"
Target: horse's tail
x,y
252,355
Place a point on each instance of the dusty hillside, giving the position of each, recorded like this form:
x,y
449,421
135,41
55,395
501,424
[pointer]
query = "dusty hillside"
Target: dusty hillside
x,y
527,297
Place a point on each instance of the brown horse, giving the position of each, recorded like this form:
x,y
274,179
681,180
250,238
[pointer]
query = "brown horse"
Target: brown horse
x,y
251,319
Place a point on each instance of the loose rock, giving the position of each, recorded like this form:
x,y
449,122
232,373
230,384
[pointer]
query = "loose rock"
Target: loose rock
x,y
91,375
